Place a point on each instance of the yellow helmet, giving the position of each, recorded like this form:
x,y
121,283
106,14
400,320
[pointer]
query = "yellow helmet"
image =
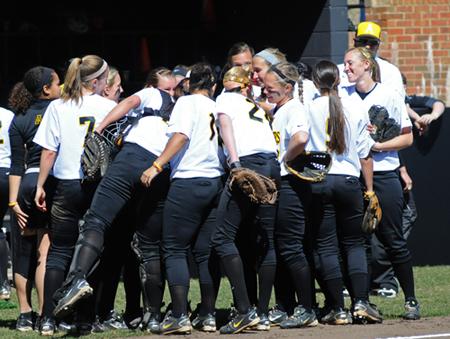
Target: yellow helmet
x,y
368,29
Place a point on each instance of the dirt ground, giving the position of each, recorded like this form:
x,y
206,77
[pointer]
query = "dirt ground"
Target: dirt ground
x,y
425,328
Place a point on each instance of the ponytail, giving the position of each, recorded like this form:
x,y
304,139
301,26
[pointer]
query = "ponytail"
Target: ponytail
x,y
300,89
326,78
20,98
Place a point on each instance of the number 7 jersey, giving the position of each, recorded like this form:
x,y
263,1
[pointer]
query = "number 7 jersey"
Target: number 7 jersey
x,y
252,131
64,127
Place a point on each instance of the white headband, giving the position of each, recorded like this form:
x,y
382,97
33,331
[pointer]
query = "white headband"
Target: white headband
x,y
95,75
269,57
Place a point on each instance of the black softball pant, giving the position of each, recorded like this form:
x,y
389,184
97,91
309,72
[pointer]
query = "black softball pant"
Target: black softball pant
x,y
189,221
4,185
235,207
388,188
337,210
293,204
120,183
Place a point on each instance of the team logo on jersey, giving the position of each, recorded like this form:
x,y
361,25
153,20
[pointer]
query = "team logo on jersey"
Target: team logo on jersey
x,y
38,119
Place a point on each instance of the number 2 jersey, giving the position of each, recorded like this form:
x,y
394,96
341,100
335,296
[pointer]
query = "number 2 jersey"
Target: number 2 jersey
x,y
64,128
252,131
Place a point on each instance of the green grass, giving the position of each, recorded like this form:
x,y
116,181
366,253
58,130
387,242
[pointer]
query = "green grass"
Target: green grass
x,y
432,289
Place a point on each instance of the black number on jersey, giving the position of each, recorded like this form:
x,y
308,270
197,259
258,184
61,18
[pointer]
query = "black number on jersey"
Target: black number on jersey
x,y
90,121
253,111
212,125
1,140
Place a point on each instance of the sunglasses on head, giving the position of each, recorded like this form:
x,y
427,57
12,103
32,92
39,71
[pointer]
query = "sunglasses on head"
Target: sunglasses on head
x,y
366,42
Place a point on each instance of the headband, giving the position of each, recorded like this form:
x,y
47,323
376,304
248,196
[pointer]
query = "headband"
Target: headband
x,y
95,75
282,76
269,57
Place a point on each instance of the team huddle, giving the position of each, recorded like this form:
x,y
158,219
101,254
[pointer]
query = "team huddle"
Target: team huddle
x,y
192,154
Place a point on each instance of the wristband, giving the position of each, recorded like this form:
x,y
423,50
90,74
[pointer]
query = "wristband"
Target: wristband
x,y
236,164
12,203
157,166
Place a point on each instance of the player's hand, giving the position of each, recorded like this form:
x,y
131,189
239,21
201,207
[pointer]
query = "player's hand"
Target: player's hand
x,y
148,175
39,199
21,216
425,119
370,128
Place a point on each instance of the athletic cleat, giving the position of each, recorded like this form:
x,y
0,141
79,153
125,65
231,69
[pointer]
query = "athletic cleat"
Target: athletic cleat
x,y
364,312
150,322
263,324
387,293
206,323
5,290
300,318
78,289
336,317
114,321
240,322
47,326
277,315
25,322
171,324
412,310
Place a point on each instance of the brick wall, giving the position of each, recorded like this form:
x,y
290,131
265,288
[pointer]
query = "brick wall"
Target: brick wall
x,y
416,37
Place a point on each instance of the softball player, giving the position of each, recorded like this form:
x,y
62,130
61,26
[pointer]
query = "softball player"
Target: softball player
x,y
61,135
6,117
190,210
249,141
291,130
359,65
29,99
142,145
340,127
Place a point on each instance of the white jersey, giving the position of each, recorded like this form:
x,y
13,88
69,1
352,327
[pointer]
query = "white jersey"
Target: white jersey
x,y
252,132
310,91
389,74
383,96
194,116
6,117
64,128
357,139
149,132
288,120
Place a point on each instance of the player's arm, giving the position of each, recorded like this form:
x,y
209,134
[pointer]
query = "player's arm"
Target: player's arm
x,y
174,145
296,145
367,171
47,160
405,139
227,134
119,111
437,110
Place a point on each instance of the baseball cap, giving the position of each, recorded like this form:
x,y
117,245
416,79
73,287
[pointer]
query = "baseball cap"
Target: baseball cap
x,y
180,70
368,29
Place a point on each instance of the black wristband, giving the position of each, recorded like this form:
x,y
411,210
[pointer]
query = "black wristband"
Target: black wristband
x,y
236,164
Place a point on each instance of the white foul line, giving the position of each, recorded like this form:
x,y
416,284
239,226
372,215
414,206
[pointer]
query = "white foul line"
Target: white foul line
x,y
421,336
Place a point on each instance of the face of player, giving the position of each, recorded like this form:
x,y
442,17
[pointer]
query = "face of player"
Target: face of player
x,y
167,84
242,59
54,90
99,84
260,69
276,92
113,92
355,67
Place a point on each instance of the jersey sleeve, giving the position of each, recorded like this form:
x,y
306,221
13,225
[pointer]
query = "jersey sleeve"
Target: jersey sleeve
x,y
223,105
297,121
17,149
182,118
150,97
48,133
364,141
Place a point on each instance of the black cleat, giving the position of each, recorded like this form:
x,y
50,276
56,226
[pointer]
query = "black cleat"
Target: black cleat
x,y
412,310
300,318
206,323
277,315
336,317
78,289
25,322
47,326
364,312
150,322
171,324
240,322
